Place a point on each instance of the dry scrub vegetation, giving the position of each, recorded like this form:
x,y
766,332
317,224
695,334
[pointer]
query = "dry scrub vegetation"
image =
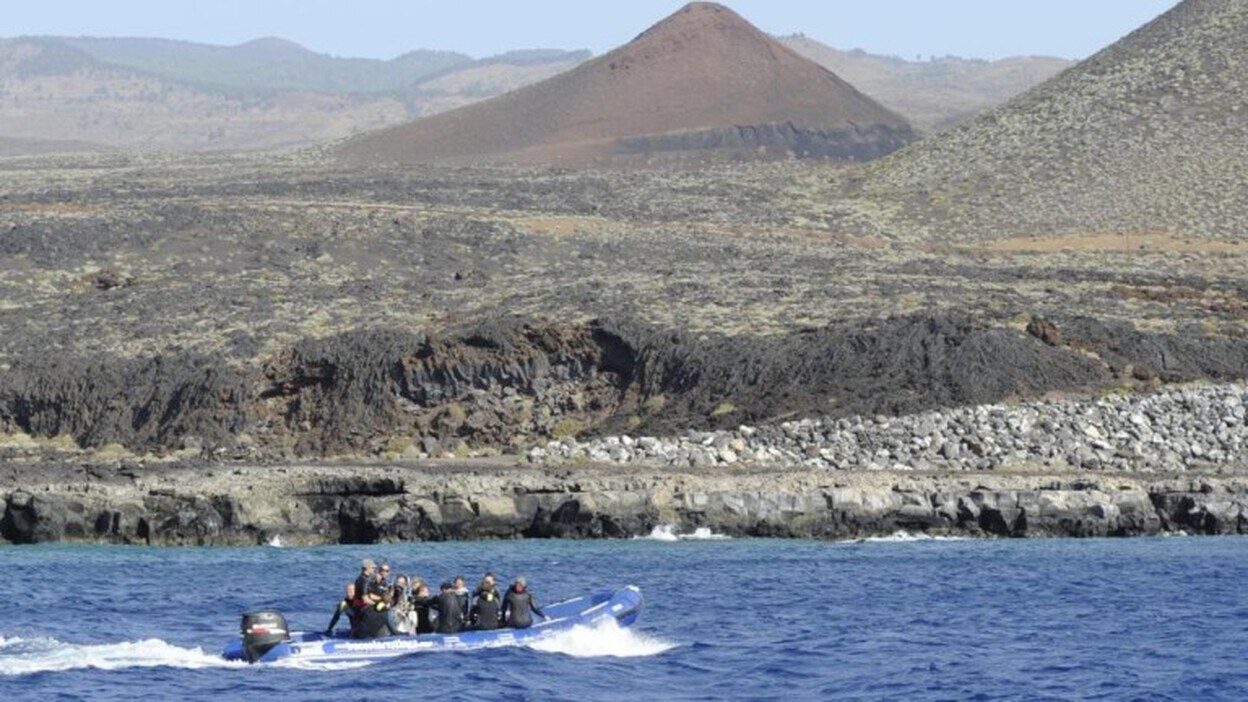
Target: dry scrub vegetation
x,y
226,291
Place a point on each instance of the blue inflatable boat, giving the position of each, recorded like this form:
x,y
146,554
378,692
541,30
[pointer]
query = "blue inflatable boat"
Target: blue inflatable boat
x,y
265,638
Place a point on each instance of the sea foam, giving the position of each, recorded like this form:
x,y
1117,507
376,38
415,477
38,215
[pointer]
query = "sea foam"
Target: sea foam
x,y
21,656
605,639
907,537
667,532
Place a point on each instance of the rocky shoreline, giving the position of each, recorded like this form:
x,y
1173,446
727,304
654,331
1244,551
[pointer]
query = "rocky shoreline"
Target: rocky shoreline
x,y
461,500
1171,430
1119,465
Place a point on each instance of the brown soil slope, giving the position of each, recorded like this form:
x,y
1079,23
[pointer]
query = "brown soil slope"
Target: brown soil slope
x,y
1149,135
703,82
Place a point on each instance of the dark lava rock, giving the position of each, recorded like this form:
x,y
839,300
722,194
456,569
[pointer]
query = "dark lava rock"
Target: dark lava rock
x,y
488,383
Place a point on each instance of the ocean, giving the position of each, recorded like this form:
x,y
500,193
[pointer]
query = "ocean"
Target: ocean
x,y
903,618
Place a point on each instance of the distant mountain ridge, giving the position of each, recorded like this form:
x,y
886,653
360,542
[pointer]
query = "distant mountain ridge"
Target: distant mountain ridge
x,y
937,93
268,64
146,93
156,94
701,84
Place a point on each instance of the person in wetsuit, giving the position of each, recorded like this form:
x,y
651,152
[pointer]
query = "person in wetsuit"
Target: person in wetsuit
x,y
464,595
519,606
374,620
363,583
345,606
421,602
380,585
487,605
378,619
450,612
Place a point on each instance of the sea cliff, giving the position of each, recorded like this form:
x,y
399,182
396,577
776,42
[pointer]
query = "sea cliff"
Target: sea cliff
x,y
452,500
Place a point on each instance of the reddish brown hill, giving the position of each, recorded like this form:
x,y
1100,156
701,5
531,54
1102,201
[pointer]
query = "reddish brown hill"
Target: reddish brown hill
x,y
702,84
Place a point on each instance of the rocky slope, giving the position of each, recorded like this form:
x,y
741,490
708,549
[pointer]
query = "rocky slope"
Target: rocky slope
x,y
308,505
1149,135
1175,429
701,85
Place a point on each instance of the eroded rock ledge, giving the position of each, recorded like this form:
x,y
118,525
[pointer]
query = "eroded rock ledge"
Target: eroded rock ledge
x,y
221,505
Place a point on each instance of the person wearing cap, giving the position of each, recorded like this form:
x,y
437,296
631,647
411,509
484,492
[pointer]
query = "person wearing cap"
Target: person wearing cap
x,y
450,613
519,606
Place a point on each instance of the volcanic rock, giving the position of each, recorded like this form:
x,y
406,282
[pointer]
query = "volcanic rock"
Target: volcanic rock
x,y
387,503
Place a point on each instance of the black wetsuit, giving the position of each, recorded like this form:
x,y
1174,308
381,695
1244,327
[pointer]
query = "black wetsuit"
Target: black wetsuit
x,y
361,588
465,600
450,613
518,609
487,610
378,588
372,623
424,623
345,606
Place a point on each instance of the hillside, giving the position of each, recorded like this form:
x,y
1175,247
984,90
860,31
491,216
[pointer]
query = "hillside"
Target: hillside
x,y
703,84
24,147
932,94
268,64
155,94
1149,136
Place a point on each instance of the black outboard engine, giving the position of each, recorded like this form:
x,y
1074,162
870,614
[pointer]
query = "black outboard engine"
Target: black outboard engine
x,y
261,632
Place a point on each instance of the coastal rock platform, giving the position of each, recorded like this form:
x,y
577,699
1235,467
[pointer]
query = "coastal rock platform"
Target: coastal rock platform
x,y
226,504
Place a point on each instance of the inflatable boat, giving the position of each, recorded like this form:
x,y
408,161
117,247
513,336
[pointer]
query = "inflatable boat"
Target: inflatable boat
x,y
265,638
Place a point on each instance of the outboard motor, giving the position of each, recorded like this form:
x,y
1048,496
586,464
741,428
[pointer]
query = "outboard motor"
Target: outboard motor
x,y
261,632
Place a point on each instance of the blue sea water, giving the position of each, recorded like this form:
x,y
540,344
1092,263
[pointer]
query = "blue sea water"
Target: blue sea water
x,y
901,619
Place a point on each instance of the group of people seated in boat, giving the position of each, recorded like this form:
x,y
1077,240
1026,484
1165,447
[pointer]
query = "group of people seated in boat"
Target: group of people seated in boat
x,y
377,606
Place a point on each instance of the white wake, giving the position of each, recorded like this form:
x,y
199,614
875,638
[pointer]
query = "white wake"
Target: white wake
x,y
605,639
19,656
907,537
667,532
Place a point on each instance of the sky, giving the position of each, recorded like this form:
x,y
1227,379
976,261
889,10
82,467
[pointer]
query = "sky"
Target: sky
x,y
386,28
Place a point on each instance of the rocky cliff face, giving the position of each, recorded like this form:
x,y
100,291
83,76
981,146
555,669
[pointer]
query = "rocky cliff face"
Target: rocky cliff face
x,y
521,383
307,505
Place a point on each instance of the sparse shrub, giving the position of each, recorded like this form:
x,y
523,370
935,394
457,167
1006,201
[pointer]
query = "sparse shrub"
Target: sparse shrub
x,y
397,445
523,417
112,451
654,404
455,413
63,442
569,426
18,439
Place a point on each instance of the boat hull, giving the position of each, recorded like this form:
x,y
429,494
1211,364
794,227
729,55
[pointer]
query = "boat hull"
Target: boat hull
x,y
623,605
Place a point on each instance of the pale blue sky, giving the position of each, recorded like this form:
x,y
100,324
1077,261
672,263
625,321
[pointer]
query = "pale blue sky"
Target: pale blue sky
x,y
386,28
